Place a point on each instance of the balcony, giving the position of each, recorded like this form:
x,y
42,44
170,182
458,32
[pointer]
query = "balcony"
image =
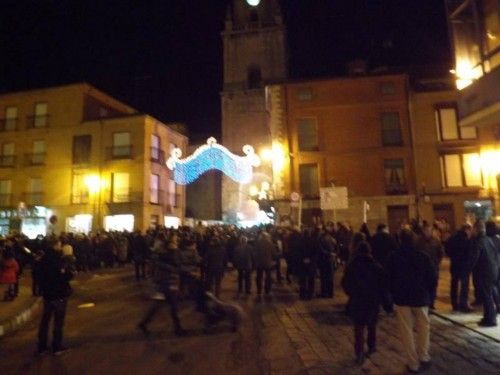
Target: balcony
x,y
479,103
37,121
8,124
80,198
7,161
5,200
119,152
35,159
33,198
157,155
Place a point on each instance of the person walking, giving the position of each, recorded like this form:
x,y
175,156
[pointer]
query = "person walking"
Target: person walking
x,y
432,247
264,253
364,283
459,249
165,269
55,289
242,261
411,280
485,272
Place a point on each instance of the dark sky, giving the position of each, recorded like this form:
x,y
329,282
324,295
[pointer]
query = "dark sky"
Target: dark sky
x,y
165,58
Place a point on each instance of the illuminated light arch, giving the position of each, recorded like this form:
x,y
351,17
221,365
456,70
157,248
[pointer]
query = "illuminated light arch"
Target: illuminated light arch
x,y
213,156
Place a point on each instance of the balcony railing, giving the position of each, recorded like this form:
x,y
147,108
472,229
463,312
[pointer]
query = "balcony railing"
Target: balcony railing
x,y
36,158
33,198
37,121
119,152
5,200
8,124
130,197
396,189
80,198
157,155
7,161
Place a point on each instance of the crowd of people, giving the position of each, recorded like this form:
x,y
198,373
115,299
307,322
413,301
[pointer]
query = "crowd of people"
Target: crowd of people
x,y
399,273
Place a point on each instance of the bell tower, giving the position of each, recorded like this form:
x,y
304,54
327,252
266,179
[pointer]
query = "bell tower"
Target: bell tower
x,y
255,54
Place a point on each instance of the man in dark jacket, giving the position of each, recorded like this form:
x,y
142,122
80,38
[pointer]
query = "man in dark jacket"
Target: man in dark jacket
x,y
326,262
492,232
215,260
308,264
55,274
383,244
485,272
140,254
459,248
264,253
428,244
364,283
412,279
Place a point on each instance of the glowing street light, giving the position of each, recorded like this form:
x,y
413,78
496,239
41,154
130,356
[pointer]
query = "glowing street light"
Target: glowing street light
x,y
93,183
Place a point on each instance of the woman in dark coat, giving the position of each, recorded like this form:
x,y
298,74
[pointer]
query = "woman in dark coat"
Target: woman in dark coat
x,y
363,282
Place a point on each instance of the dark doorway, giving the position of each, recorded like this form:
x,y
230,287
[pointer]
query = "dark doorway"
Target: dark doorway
x,y
397,216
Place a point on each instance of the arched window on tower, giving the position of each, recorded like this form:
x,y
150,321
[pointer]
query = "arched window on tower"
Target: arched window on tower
x,y
254,77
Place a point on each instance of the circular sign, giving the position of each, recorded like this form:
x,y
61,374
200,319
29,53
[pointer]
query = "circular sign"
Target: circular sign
x,y
295,196
53,219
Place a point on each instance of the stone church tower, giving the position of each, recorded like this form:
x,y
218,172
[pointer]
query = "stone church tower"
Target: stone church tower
x,y
255,54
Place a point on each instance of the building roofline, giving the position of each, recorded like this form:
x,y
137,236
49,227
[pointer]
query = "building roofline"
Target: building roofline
x,y
85,86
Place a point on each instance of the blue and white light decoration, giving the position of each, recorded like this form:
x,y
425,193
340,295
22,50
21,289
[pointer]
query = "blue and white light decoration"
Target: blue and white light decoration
x,y
213,156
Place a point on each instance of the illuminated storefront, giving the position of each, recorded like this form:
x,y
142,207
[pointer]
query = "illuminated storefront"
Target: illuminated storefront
x,y
79,223
31,221
119,223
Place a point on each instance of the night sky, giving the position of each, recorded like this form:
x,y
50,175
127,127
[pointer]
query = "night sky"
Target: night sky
x,y
165,57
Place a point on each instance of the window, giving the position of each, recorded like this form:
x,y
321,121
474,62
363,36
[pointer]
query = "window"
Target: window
x,y
458,170
82,145
309,181
254,77
172,192
10,118
391,130
387,88
394,175
7,158
154,193
171,148
304,94
38,156
308,134
121,145
5,193
120,187
155,148
447,126
35,191
40,119
79,189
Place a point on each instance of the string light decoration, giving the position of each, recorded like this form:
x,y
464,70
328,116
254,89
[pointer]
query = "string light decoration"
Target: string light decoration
x,y
213,156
